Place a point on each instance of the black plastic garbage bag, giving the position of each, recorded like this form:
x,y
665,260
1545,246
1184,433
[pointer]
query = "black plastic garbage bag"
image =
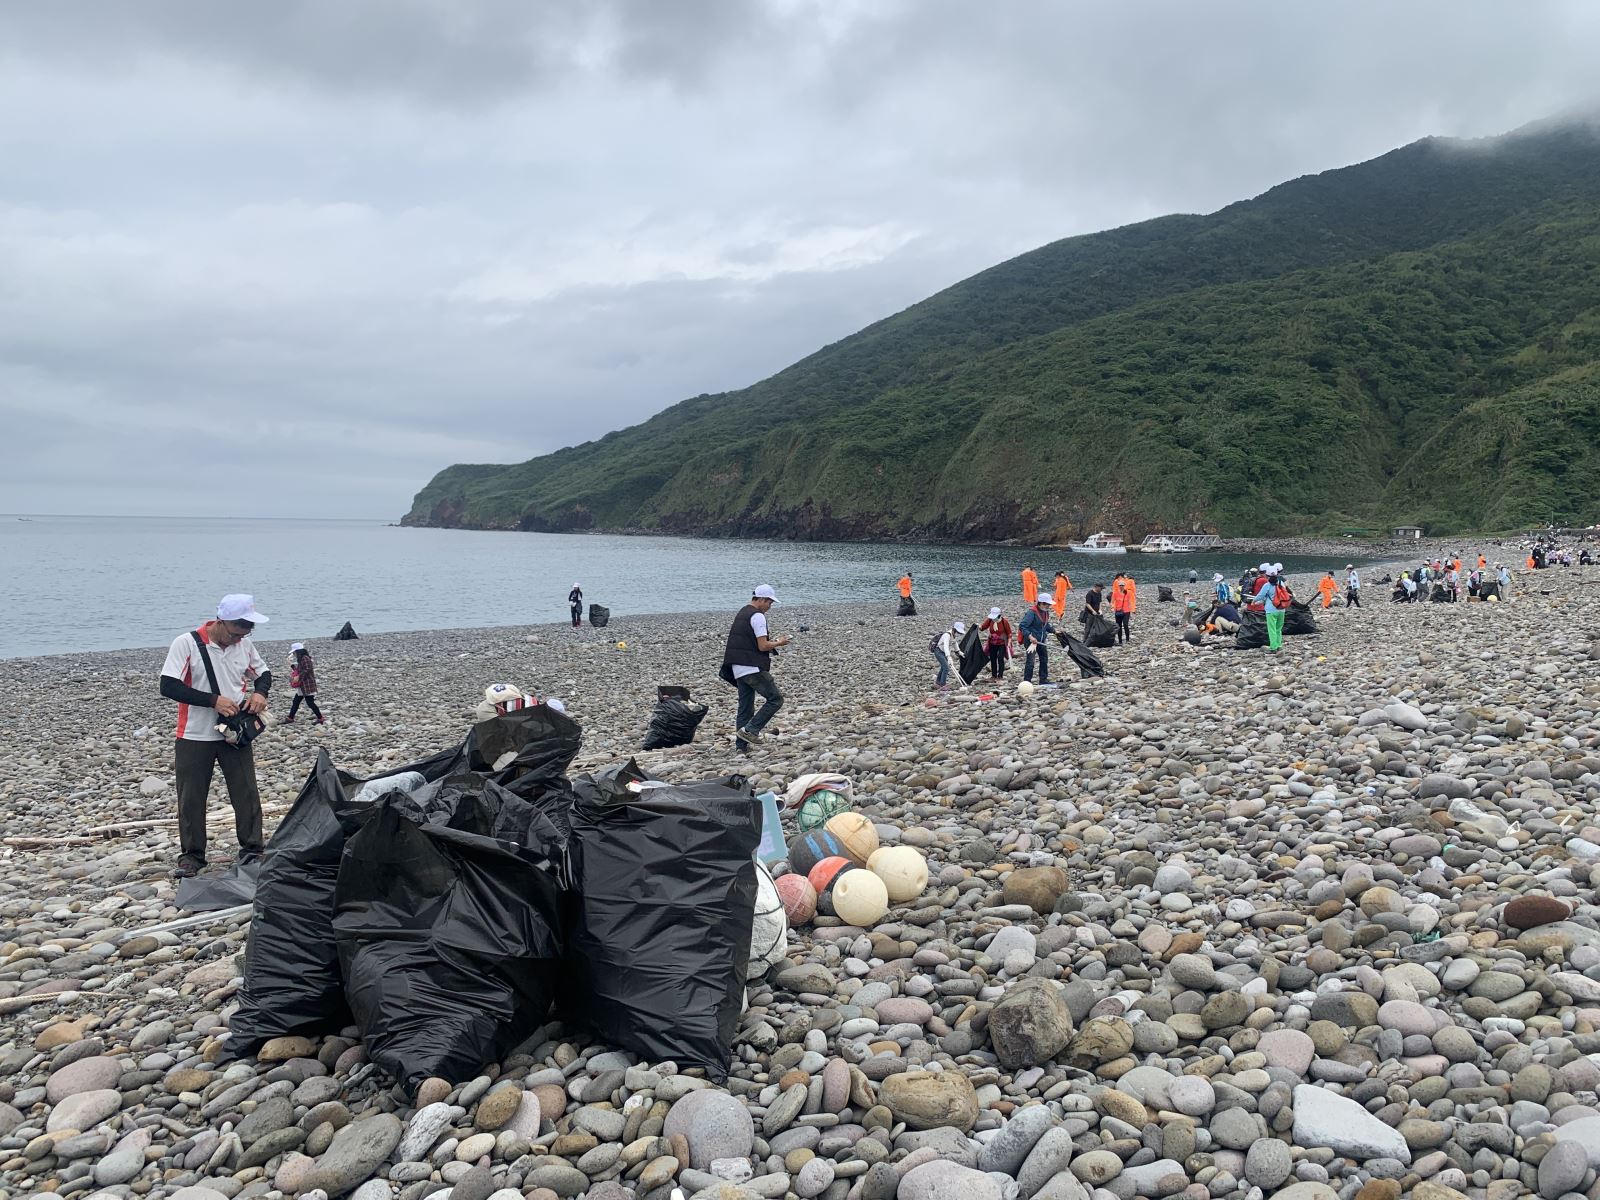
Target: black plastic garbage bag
x,y
1088,661
291,963
1439,595
208,893
450,942
1298,619
1164,594
908,607
1252,633
599,616
973,658
543,740
666,890
1098,632
673,723
347,633
1490,588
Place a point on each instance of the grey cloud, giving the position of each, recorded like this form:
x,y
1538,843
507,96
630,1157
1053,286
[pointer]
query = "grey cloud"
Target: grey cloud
x,y
343,245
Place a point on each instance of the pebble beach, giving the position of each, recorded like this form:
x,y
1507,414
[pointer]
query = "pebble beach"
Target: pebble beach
x,y
1219,924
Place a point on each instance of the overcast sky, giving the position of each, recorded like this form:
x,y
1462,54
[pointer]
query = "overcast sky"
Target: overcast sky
x,y
290,259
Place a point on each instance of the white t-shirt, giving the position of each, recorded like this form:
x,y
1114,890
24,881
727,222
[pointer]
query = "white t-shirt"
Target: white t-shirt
x,y
237,667
758,626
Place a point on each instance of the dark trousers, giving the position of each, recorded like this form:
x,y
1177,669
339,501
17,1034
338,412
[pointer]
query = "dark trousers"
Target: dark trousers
x,y
1124,633
193,765
310,702
997,661
750,686
577,615
1043,654
1352,597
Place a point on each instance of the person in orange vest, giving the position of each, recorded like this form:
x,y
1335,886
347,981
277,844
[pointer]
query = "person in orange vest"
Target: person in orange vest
x,y
905,586
1124,600
1327,586
1030,585
1063,586
1482,561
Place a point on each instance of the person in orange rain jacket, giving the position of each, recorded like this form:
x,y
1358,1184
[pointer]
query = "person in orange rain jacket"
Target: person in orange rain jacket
x,y
1063,586
1124,600
1327,586
1482,562
905,586
1030,585
1531,564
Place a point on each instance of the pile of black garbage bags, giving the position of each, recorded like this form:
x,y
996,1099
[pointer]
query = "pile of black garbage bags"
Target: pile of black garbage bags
x,y
486,893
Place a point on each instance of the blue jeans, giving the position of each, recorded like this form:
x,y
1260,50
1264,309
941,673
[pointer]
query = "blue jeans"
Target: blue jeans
x,y
1044,664
750,686
944,668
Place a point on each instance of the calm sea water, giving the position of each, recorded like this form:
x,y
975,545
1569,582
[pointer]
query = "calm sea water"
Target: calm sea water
x,y
102,583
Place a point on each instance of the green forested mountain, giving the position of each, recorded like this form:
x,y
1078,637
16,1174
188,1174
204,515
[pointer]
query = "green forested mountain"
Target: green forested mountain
x,y
1415,339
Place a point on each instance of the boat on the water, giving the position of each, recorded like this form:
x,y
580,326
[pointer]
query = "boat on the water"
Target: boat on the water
x,y
1164,545
1098,543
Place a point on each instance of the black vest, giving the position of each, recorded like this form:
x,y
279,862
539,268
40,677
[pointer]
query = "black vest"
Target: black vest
x,y
742,649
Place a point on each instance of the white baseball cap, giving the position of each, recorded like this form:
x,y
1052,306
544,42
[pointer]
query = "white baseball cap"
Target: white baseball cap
x,y
239,607
994,614
959,627
1046,601
1264,567
764,592
297,646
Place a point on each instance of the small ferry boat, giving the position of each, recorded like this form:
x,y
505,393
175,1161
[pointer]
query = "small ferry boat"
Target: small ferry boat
x,y
1098,543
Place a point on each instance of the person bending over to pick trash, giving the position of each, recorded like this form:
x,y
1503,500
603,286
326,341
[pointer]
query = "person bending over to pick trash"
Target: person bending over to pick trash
x,y
944,649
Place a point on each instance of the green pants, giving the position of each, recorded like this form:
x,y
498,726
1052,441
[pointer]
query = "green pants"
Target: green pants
x,y
1275,630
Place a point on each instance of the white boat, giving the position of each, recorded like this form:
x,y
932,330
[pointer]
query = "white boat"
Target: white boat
x,y
1098,543
1165,545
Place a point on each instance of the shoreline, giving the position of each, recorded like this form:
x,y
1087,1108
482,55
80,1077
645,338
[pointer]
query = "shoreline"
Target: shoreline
x,y
1131,563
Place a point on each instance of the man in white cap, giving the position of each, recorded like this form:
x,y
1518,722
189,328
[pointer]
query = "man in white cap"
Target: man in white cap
x,y
1352,586
1032,629
214,672
944,651
747,665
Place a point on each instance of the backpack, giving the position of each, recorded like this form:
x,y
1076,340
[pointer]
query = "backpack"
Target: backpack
x,y
1281,597
933,642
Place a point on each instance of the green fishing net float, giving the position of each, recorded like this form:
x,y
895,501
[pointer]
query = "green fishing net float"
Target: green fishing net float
x,y
816,808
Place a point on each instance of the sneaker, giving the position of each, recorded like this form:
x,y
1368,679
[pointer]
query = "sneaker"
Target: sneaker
x,y
749,735
188,866
288,721
321,720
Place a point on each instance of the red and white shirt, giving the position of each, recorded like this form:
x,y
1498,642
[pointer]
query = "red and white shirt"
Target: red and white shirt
x,y
237,668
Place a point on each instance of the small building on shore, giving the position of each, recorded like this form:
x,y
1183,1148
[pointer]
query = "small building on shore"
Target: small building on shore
x,y
1409,533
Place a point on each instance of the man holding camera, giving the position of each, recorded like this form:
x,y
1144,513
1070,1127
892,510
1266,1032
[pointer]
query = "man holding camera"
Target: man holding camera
x,y
215,673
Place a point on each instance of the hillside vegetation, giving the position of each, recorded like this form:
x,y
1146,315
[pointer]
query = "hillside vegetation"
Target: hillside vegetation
x,y
1415,339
